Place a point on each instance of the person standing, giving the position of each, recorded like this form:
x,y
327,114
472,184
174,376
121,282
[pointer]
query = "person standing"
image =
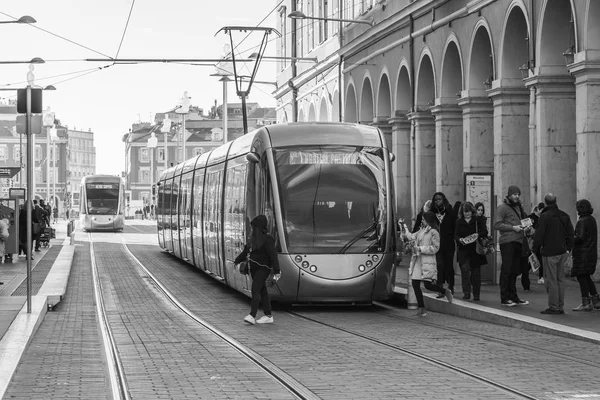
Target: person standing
x,y
40,220
508,222
554,238
442,209
585,256
469,229
23,228
262,258
423,263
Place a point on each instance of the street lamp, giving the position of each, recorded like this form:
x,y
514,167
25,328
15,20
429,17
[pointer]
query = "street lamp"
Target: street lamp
x,y
183,110
301,15
35,60
166,128
25,19
152,143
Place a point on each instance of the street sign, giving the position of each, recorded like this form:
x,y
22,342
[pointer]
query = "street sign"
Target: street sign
x,y
9,172
36,101
16,193
36,124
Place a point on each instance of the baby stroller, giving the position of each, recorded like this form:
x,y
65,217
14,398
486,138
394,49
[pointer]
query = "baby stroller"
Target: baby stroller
x,y
46,235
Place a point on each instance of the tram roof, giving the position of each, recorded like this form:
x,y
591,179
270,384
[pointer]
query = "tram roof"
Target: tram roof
x,y
101,178
324,133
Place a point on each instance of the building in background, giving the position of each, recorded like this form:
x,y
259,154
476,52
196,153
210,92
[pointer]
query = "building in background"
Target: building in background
x,y
202,133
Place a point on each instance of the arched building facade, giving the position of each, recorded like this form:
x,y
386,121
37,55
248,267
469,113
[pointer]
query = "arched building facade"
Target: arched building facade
x,y
507,87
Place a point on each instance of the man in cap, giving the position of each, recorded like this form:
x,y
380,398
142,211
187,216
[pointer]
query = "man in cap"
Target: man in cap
x,y
512,236
554,238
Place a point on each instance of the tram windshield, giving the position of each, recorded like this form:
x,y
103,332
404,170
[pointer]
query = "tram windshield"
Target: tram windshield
x,y
102,198
333,198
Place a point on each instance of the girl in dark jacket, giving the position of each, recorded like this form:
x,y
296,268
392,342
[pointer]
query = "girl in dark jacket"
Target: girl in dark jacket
x,y
262,258
23,228
585,255
468,230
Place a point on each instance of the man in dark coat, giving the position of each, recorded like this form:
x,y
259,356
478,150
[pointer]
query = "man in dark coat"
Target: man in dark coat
x,y
554,238
442,209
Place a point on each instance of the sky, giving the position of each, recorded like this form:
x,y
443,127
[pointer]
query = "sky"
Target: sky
x,y
108,98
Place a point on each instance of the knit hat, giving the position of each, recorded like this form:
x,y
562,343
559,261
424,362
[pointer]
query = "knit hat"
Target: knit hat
x,y
512,189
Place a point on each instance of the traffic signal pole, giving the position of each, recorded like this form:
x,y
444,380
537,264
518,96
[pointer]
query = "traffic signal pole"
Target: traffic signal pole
x,y
29,202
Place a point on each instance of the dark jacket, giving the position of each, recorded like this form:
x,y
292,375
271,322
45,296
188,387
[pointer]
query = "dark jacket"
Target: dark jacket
x,y
266,256
585,249
23,224
447,223
507,216
468,252
554,234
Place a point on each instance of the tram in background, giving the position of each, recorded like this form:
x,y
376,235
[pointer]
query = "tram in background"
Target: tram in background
x,y
102,203
326,189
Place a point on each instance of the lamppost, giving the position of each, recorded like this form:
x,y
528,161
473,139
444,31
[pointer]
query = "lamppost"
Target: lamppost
x,y
301,15
152,143
166,128
183,110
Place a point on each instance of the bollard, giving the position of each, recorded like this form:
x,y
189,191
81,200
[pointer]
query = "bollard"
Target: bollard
x,y
411,298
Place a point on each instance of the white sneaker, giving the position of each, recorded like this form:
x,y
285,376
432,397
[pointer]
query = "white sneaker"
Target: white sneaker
x,y
541,281
249,319
265,320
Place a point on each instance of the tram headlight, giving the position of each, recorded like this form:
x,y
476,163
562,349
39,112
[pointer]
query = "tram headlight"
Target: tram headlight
x,y
298,259
304,264
369,263
375,258
313,268
361,268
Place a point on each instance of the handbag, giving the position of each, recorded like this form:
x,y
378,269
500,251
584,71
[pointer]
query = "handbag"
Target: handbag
x,y
483,246
569,265
37,228
244,268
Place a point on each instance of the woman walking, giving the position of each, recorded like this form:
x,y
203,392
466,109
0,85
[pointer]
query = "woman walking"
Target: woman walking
x,y
261,256
585,255
423,265
469,229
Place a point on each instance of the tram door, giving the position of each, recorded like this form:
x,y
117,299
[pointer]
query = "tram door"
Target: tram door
x,y
185,198
212,225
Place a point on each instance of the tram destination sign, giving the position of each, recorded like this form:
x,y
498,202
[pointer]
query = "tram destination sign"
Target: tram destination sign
x,y
102,186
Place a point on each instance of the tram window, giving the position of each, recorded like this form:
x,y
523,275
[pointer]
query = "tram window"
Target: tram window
x,y
332,199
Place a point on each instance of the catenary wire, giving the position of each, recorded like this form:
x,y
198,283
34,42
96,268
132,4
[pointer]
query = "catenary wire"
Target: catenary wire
x,y
125,30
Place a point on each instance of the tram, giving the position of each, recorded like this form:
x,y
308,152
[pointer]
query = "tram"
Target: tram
x,y
102,203
326,189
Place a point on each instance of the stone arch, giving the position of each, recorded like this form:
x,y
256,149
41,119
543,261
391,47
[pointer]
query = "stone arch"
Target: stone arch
x,y
426,83
451,82
403,88
324,110
384,96
556,33
481,59
592,25
301,115
335,107
366,101
312,113
514,45
350,108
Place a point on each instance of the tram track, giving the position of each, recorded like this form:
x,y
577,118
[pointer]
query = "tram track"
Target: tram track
x,y
117,376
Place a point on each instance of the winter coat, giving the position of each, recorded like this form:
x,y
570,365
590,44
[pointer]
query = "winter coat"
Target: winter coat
x,y
3,236
423,266
554,234
23,225
447,223
507,216
468,252
265,256
585,249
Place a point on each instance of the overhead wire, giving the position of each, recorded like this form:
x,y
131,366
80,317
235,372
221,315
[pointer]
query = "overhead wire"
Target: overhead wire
x,y
125,30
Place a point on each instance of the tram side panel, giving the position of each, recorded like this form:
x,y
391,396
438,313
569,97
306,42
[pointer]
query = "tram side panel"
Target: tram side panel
x,y
212,216
159,213
198,198
168,224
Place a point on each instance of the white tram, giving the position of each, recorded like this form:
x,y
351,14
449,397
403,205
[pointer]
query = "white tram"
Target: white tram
x,y
326,189
102,203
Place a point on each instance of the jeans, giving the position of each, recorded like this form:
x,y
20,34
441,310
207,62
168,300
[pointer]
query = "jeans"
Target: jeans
x,y
509,270
471,278
554,280
259,290
445,267
587,286
434,287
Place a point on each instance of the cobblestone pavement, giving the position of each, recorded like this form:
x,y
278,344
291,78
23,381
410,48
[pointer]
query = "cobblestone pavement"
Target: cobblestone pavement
x,y
336,364
64,358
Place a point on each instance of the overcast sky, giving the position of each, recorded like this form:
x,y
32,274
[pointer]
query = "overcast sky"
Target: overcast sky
x,y
108,100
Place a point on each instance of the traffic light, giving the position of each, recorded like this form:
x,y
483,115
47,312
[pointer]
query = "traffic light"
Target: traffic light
x,y
153,190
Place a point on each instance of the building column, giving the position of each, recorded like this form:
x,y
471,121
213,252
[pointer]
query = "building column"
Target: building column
x,y
554,158
422,158
400,126
586,70
384,125
511,141
449,150
478,134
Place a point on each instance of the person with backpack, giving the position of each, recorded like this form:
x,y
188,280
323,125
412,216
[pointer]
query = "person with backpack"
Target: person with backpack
x,y
261,257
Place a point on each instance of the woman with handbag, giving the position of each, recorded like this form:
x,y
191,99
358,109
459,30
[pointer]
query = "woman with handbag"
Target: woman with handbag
x,y
469,230
423,264
23,228
261,257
